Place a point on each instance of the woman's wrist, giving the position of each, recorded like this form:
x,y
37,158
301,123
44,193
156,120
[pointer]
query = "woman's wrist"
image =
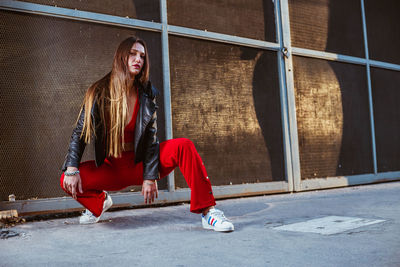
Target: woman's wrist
x,y
71,171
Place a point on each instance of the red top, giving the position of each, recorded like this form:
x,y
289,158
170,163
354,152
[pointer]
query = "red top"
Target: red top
x,y
129,131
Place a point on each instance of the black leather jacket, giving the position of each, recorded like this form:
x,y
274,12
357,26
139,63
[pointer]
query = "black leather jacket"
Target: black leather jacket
x,y
146,144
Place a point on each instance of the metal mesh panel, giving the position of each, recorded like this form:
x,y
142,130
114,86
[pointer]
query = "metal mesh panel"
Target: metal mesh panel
x,y
327,25
47,64
386,96
137,9
226,99
247,18
332,118
383,30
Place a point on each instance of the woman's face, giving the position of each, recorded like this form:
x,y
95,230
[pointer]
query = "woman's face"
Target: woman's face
x,y
136,59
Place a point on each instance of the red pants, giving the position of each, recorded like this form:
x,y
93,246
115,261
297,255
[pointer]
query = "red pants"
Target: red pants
x,y
117,173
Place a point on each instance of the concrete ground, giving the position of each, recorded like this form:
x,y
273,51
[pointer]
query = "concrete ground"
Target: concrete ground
x,y
172,236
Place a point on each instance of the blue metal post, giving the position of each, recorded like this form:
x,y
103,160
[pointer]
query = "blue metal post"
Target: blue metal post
x,y
290,93
371,107
284,99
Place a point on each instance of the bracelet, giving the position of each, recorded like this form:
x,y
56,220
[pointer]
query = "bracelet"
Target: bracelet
x,y
71,173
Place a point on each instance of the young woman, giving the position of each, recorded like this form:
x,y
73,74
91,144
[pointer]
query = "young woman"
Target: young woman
x,y
119,115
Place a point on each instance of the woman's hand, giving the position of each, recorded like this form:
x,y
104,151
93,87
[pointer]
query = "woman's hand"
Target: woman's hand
x,y
149,191
73,183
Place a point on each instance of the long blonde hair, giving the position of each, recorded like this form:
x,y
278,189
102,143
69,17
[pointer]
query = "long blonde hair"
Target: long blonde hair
x,y
111,93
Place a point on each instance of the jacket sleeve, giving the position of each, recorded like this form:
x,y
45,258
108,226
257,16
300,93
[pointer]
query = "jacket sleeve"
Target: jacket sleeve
x,y
152,150
76,145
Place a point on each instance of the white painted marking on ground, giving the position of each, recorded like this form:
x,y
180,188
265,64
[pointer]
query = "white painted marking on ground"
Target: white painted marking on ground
x,y
328,225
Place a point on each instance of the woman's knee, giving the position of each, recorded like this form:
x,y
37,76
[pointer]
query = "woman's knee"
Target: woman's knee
x,y
62,181
186,143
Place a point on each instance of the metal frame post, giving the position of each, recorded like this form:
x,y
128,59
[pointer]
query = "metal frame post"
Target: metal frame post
x,y
74,14
371,105
167,83
290,93
284,99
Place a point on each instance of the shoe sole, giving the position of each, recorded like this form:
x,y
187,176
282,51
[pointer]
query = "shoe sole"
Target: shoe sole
x,y
89,222
105,208
210,227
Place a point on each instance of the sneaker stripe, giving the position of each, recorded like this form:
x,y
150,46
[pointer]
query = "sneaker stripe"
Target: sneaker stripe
x,y
212,221
209,218
215,222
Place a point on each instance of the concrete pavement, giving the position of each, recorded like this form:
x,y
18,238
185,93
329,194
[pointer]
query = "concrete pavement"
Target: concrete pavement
x,y
172,236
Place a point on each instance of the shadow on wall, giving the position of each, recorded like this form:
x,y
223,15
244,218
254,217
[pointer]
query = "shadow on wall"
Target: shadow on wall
x,y
266,94
331,97
345,36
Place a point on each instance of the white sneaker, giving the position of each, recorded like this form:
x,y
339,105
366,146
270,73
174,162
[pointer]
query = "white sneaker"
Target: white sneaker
x,y
216,220
87,217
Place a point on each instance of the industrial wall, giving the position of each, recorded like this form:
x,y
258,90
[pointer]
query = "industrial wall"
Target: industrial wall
x,y
278,96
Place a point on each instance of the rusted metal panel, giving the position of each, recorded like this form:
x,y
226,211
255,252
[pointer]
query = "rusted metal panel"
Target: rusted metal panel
x,y
137,9
327,25
47,64
333,118
253,19
226,99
